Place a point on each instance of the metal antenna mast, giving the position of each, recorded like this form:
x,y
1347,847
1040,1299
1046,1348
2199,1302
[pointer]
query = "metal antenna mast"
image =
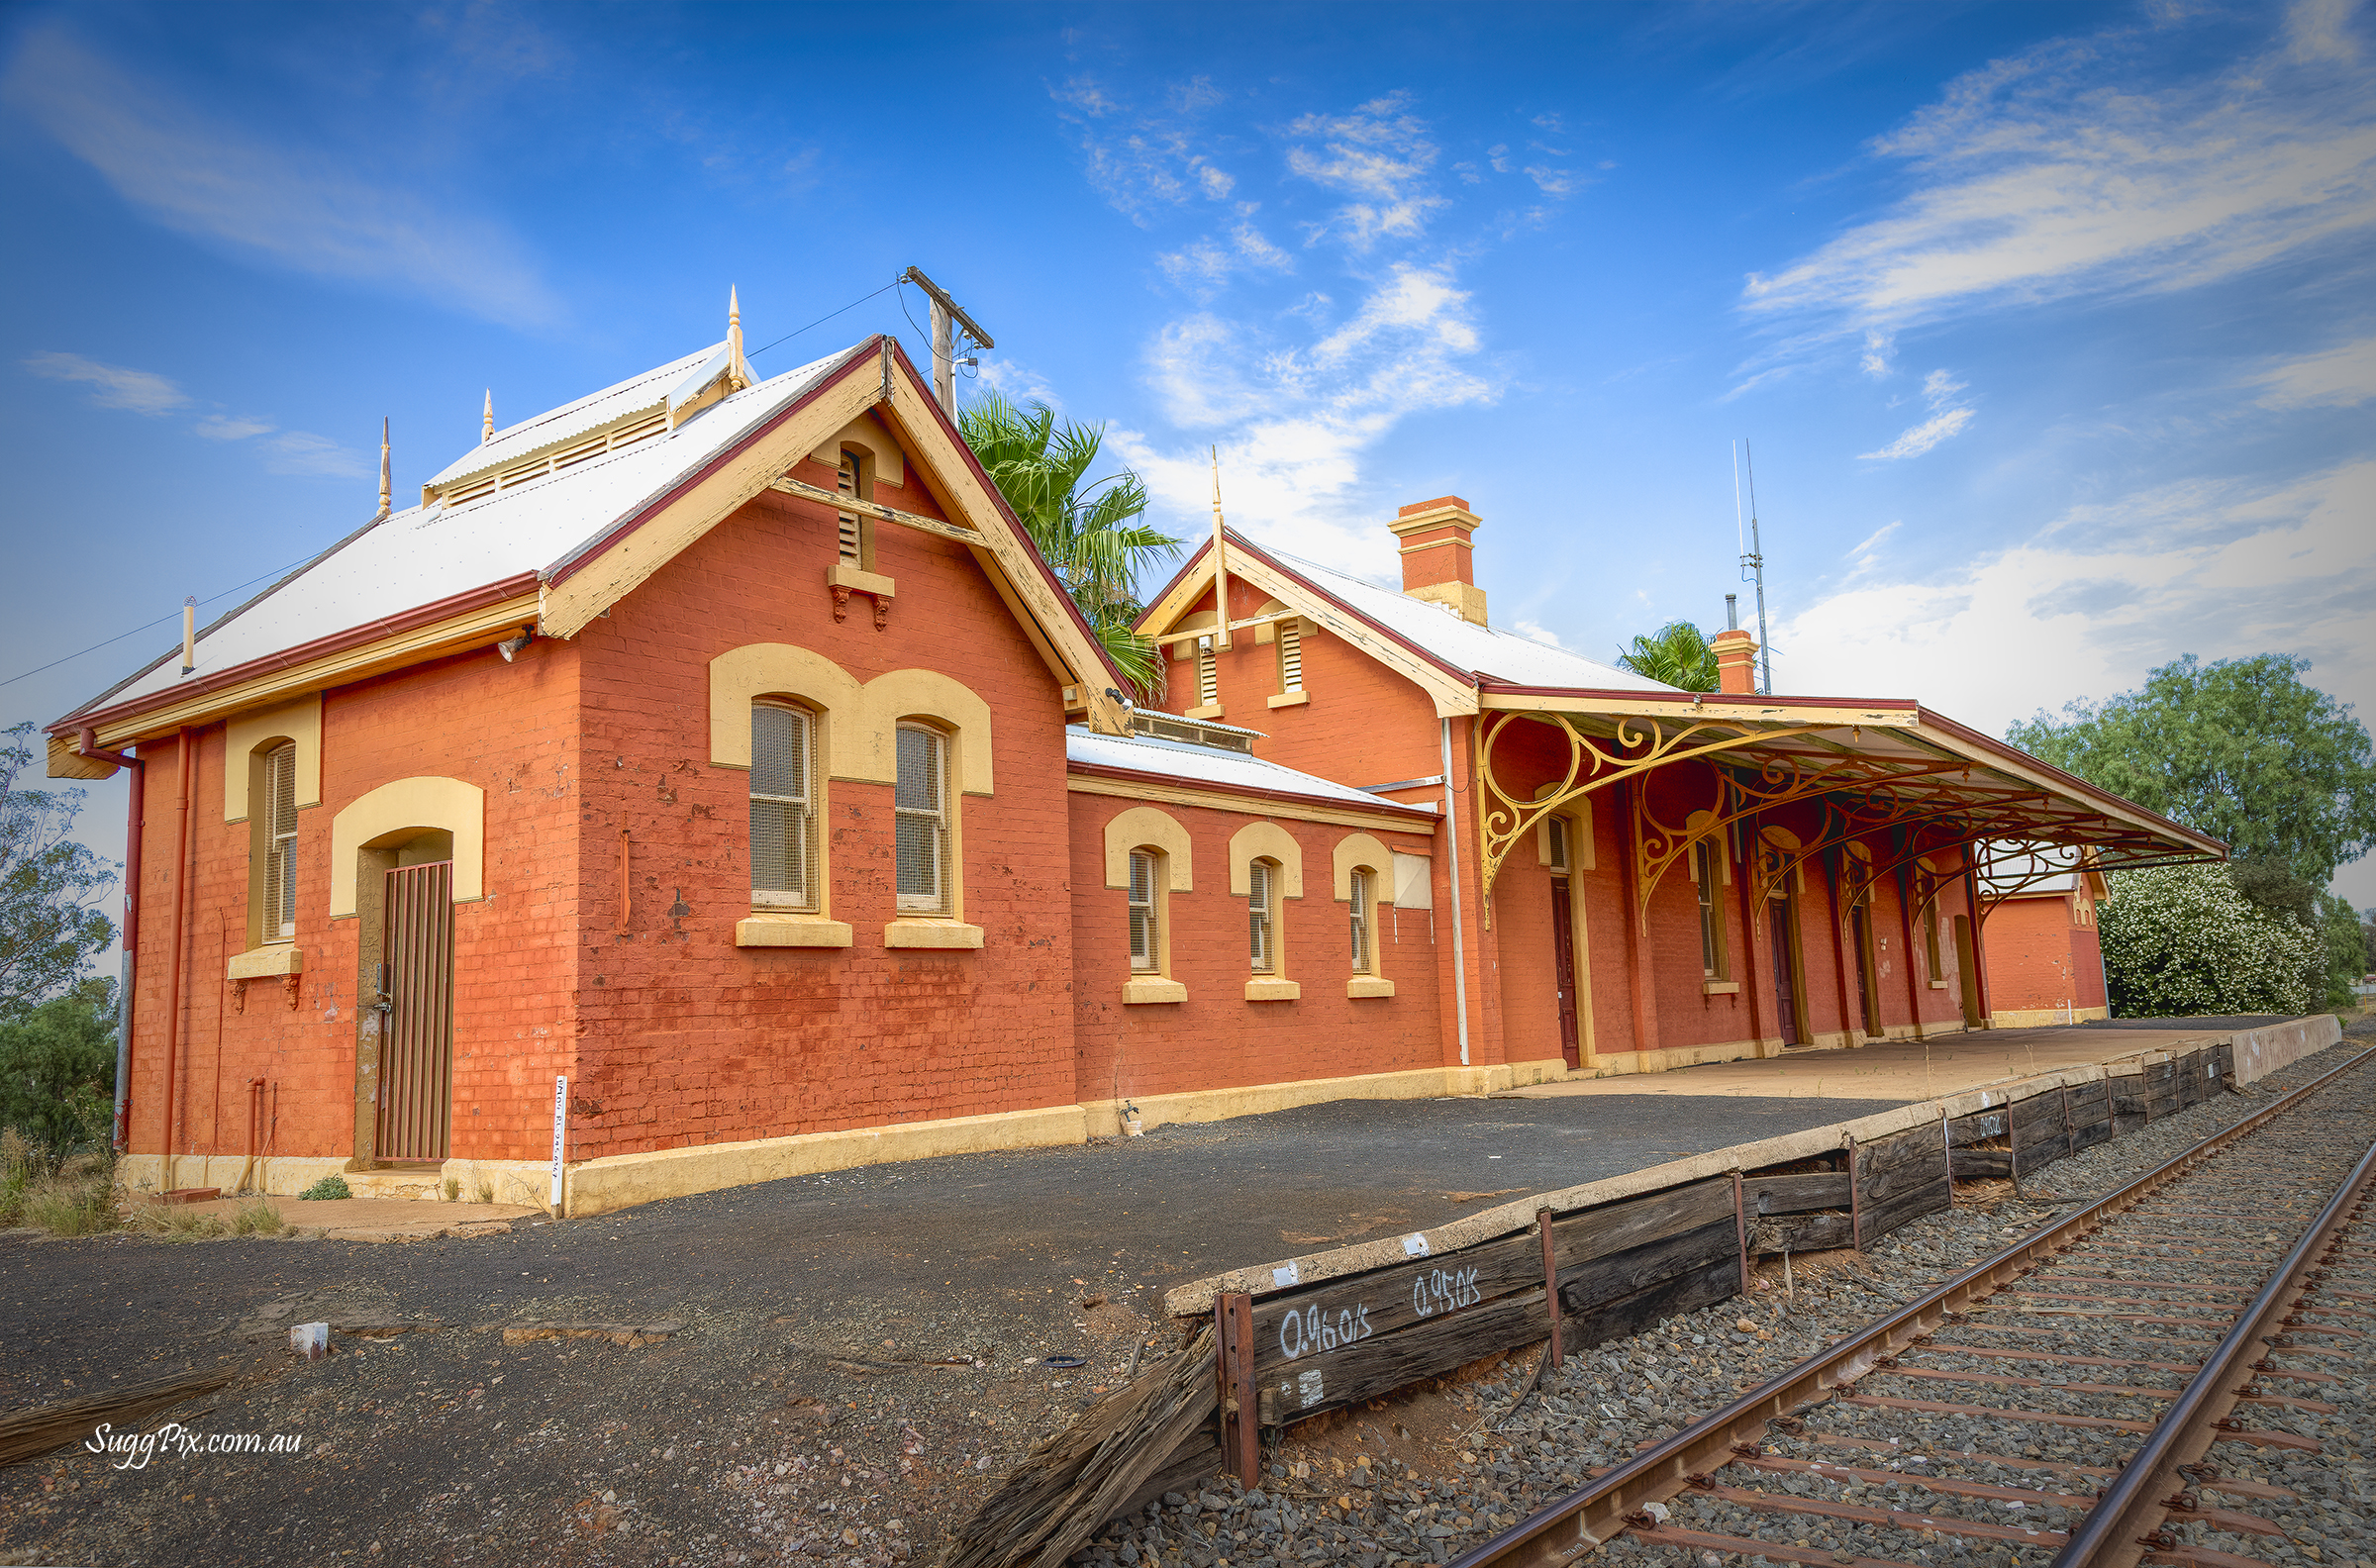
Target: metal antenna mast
x,y
1752,561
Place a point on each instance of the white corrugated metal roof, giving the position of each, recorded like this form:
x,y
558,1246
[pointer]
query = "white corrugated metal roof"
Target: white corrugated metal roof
x,y
421,554
1463,645
637,394
1201,764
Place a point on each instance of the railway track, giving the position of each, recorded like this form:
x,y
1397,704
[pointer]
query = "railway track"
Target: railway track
x,y
2103,1392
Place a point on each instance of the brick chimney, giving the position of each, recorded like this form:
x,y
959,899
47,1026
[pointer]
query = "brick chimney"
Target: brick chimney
x,y
1736,661
1436,554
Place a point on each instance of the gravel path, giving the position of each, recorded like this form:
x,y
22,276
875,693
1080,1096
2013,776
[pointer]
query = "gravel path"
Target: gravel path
x,y
1331,1493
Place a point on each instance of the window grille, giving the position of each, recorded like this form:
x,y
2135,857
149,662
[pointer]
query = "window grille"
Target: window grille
x,y
1144,950
922,811
1258,917
1291,655
281,854
1712,934
782,801
1208,679
1361,924
853,538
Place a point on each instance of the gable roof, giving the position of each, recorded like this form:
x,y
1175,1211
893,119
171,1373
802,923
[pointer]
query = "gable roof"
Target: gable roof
x,y
557,549
1238,772
1441,652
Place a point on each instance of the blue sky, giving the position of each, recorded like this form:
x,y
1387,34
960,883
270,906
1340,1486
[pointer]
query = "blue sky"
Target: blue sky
x,y
2050,325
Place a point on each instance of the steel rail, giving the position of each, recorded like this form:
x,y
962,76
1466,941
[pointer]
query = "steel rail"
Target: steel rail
x,y
1601,1509
2111,1536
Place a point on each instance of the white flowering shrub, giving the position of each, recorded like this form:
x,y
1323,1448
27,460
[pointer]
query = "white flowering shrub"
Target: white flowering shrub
x,y
2181,940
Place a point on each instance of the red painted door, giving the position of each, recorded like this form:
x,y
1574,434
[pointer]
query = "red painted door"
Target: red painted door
x,y
1786,989
1563,948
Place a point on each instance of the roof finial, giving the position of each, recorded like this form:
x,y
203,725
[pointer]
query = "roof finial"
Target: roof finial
x,y
1221,563
387,495
737,367
486,423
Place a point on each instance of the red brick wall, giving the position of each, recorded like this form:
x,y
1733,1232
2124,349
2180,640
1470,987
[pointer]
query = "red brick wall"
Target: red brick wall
x,y
2033,961
505,727
688,1039
1217,1038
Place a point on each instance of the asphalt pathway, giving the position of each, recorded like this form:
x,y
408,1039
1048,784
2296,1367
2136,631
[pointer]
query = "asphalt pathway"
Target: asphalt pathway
x,y
821,1314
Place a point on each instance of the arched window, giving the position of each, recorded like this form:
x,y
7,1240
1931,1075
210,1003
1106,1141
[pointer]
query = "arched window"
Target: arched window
x,y
921,806
783,798
1362,885
1262,915
276,835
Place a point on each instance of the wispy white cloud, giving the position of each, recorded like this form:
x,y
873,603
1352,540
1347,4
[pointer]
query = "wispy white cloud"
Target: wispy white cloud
x,y
304,210
304,453
2051,173
1204,265
1948,417
1293,419
1144,164
2089,603
1536,632
1878,347
1379,155
2342,377
233,426
112,386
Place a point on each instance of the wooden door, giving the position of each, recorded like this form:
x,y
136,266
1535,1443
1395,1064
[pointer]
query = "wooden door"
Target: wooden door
x,y
1786,965
1860,935
1563,951
416,1033
1967,970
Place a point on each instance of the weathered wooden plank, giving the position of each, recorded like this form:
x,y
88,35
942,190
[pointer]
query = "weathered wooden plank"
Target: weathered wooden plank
x,y
1977,1162
1914,1146
1916,1167
1799,1234
1781,1195
1982,1127
2037,1120
2085,1097
1371,1367
1296,1323
2093,1134
1685,1293
1615,1278
1906,1207
1193,1463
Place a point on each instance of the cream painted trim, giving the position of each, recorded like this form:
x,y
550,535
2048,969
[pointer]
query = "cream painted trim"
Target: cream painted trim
x,y
299,721
1360,850
1207,711
1145,824
1941,985
1369,986
479,628
1719,988
1452,695
740,676
1265,989
1257,841
599,583
273,958
926,438
2045,1018
1784,839
787,929
841,574
926,932
1294,699
1141,989
1692,824
1240,806
1582,856
1651,705
867,435
428,802
861,739
621,1181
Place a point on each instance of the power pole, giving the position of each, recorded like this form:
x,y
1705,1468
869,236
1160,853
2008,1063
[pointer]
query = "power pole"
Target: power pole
x,y
947,318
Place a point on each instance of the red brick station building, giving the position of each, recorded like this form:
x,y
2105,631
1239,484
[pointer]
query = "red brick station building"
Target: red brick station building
x,y
722,747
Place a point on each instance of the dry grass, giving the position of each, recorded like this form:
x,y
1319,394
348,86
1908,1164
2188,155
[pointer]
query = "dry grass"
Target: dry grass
x,y
75,1197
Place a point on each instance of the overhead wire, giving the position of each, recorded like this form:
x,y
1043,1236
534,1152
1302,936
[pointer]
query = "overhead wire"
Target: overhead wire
x,y
828,316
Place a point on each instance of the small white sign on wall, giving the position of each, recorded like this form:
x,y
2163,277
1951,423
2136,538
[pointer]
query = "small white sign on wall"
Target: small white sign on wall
x,y
560,1129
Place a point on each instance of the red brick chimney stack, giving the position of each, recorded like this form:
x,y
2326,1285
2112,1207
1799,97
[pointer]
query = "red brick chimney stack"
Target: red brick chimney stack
x,y
1736,662
1436,565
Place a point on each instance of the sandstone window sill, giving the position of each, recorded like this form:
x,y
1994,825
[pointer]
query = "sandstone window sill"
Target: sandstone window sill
x,y
1207,711
1293,698
1152,988
1938,985
1719,988
273,958
841,574
941,933
774,928
1273,991
1369,986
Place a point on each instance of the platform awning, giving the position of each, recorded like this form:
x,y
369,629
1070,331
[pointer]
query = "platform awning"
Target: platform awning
x,y
1874,767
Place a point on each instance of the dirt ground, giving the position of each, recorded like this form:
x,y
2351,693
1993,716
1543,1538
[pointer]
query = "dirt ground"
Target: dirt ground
x,y
828,1369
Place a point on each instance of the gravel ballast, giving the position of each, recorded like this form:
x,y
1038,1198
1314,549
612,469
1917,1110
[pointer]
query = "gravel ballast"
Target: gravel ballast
x,y
1331,1493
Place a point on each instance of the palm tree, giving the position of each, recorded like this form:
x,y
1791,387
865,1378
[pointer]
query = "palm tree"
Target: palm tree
x,y
1676,653
1089,534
